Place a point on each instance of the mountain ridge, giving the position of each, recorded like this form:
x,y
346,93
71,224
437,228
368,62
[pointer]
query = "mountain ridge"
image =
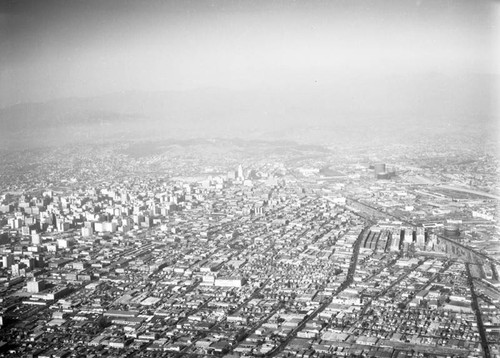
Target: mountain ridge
x,y
433,103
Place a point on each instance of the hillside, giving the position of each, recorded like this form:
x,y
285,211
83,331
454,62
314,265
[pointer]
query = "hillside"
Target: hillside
x,y
347,110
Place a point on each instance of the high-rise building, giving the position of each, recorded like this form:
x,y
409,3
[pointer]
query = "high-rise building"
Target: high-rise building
x,y
35,239
7,260
62,226
240,173
35,286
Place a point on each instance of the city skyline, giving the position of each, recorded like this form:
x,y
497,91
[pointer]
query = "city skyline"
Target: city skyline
x,y
232,248
256,178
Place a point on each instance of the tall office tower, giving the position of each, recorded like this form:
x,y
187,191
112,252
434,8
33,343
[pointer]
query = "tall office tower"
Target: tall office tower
x,y
240,173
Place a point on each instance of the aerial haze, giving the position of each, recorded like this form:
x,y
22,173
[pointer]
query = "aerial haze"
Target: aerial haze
x,y
268,63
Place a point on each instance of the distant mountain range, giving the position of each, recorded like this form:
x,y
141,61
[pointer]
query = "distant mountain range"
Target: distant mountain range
x,y
349,109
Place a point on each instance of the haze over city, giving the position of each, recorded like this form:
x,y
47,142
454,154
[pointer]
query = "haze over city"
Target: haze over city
x,y
265,62
249,179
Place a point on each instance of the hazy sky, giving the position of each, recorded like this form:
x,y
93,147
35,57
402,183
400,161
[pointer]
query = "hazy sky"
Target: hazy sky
x,y
62,48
